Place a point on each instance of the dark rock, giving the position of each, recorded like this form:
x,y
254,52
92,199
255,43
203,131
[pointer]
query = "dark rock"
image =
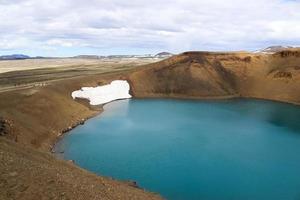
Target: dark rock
x,y
285,54
247,59
287,75
132,184
5,127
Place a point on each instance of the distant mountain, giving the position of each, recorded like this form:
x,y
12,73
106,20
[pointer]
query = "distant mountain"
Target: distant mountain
x,y
89,57
129,56
14,57
274,49
163,55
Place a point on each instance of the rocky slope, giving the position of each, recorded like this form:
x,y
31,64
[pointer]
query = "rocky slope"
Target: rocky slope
x,y
220,75
28,174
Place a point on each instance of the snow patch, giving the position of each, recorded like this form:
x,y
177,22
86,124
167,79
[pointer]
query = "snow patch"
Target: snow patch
x,y
117,89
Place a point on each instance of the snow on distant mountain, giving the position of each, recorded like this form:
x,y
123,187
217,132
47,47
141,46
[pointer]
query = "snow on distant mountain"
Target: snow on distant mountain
x,y
274,49
89,57
163,55
157,56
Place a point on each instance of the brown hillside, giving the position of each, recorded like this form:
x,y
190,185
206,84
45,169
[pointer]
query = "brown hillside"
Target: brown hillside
x,y
219,75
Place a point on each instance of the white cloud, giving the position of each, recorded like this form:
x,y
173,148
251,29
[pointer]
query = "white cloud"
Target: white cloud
x,y
176,25
284,29
8,43
59,42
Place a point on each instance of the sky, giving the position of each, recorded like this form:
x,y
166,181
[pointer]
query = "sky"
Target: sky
x,y
105,27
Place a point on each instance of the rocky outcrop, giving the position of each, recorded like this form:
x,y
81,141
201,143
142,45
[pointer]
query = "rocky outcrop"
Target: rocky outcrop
x,y
289,53
287,75
3,127
7,129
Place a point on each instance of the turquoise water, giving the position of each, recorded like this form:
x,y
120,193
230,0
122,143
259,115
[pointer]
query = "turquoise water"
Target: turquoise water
x,y
231,149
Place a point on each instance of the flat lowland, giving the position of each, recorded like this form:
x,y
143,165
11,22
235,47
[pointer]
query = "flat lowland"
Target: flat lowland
x,y
20,74
20,65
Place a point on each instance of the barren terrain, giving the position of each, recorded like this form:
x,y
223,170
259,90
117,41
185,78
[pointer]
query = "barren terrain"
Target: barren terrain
x,y
219,75
36,108
94,64
20,74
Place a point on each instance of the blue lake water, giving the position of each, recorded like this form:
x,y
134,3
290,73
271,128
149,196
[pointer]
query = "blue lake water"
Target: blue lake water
x,y
229,149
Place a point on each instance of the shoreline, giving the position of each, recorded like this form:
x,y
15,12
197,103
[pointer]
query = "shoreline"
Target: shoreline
x,y
69,129
230,97
59,155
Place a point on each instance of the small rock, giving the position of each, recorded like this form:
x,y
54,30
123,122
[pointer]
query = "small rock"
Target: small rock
x,y
71,161
132,184
13,174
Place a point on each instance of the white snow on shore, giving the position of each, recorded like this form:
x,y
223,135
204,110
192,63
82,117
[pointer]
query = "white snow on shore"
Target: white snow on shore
x,y
103,94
